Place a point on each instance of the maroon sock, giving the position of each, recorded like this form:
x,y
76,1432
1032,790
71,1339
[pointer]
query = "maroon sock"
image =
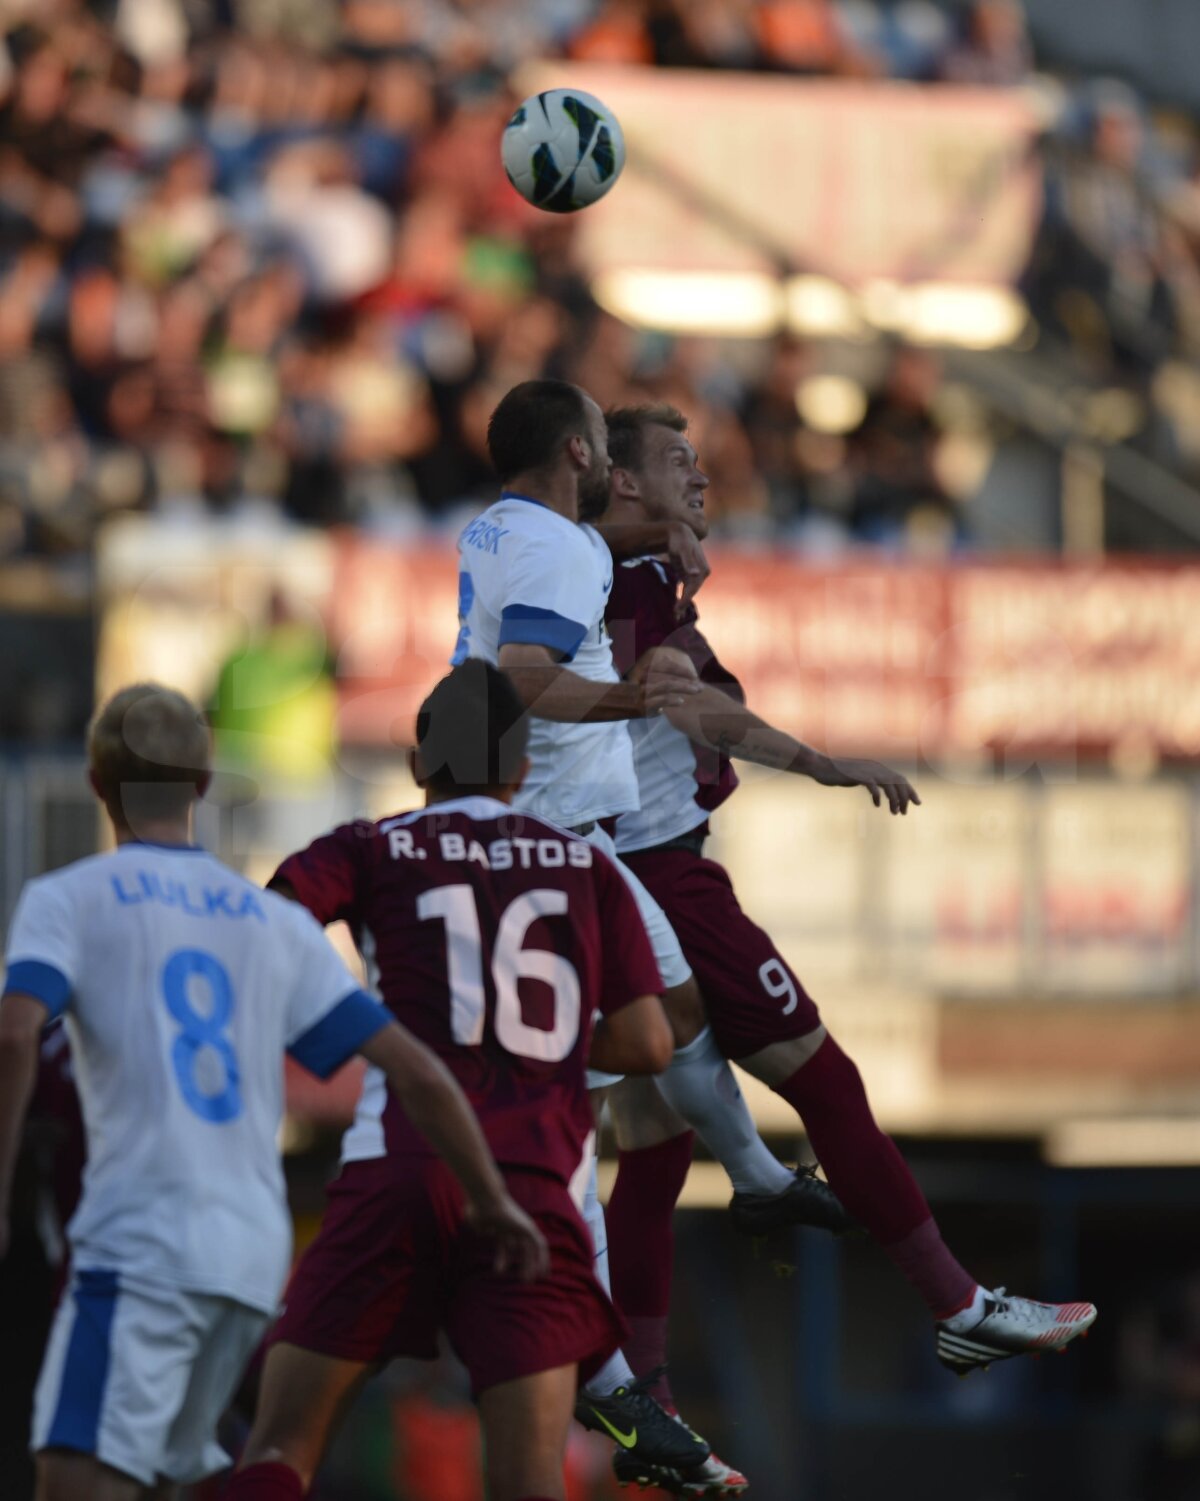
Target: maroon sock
x,y
641,1247
873,1181
925,1260
265,1482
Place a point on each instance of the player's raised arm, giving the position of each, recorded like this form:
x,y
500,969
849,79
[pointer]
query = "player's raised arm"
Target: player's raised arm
x,y
714,719
673,539
656,477
552,691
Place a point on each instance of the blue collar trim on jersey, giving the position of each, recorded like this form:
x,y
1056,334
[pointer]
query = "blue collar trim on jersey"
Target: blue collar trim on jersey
x,y
516,495
157,844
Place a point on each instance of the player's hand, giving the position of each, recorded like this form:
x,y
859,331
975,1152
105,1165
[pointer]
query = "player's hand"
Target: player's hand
x,y
879,780
667,678
521,1249
687,556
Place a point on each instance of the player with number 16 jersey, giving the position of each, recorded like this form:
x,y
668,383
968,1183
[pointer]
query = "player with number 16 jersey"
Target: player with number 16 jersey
x,y
491,932
484,929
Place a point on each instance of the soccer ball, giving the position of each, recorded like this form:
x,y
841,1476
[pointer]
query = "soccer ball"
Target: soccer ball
x,y
562,150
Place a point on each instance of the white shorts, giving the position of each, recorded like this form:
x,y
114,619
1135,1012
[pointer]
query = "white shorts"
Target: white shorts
x,y
140,1375
673,967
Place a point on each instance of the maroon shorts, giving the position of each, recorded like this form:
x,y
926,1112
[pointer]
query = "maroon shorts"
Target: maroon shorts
x,y
752,996
393,1264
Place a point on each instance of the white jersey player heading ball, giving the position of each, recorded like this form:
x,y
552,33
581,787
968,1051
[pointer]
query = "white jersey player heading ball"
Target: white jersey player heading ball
x,y
534,581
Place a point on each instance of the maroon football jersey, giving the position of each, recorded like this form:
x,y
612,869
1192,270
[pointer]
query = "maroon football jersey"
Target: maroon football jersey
x,y
679,782
494,937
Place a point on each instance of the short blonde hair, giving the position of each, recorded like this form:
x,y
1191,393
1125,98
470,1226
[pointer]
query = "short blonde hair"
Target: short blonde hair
x,y
149,749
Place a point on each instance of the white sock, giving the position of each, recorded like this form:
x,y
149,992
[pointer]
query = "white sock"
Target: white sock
x,y
966,1318
701,1087
616,1370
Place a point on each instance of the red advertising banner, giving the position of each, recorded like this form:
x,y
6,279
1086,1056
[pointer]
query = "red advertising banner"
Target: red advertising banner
x,y
898,660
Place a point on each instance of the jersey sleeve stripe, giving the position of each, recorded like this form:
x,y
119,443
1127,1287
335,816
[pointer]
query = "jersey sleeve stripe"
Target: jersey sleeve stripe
x,y
528,625
339,1034
42,981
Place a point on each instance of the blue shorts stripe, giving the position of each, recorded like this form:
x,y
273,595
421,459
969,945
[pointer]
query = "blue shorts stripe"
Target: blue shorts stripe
x,y
76,1423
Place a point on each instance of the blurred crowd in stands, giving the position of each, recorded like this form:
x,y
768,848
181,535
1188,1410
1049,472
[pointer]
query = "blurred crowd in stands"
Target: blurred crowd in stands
x,y
257,258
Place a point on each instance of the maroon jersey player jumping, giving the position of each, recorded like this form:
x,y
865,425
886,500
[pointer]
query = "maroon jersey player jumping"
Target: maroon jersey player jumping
x,y
761,1015
491,935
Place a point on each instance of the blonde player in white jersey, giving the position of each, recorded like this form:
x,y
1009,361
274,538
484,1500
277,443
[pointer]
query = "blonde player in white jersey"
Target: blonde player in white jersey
x,y
182,985
533,586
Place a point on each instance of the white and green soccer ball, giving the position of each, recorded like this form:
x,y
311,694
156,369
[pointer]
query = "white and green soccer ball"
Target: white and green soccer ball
x,y
562,150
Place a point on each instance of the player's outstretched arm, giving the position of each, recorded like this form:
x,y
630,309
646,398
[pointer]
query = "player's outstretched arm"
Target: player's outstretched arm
x,y
22,1018
714,719
552,691
634,1040
436,1105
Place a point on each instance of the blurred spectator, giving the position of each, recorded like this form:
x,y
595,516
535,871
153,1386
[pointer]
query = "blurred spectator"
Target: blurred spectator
x,y
398,113
619,33
995,46
708,34
176,220
913,36
1111,264
314,201
809,36
784,450
892,458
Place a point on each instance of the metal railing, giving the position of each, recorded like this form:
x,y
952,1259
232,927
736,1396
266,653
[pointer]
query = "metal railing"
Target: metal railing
x,y
48,817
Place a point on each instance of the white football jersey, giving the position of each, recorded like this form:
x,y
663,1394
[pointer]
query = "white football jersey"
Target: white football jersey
x,y
529,575
183,984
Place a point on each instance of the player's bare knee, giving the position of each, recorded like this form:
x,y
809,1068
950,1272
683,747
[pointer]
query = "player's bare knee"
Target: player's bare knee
x,y
778,1061
684,1006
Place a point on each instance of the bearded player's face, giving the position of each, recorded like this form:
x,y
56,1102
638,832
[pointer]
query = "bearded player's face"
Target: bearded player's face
x,y
593,485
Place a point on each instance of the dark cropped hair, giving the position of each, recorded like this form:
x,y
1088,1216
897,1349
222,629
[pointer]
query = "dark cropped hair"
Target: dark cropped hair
x,y
472,731
531,423
627,425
